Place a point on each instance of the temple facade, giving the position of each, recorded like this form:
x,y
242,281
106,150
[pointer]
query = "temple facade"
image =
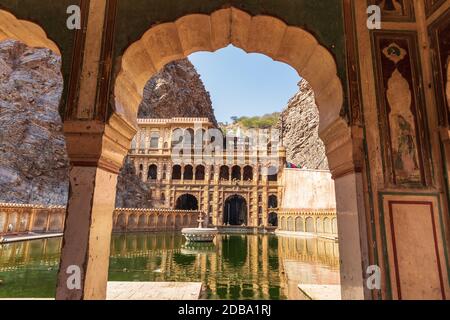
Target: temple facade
x,y
234,183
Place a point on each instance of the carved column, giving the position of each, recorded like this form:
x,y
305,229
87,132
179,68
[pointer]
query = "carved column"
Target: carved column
x,y
344,147
96,152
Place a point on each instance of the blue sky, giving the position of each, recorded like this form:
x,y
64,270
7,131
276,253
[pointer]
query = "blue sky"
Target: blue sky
x,y
244,84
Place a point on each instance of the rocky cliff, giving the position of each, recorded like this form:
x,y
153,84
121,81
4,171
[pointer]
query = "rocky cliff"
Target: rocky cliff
x,y
176,91
33,161
299,127
131,191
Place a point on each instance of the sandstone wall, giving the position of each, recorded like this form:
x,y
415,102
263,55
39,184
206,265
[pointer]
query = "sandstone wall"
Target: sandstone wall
x,y
308,189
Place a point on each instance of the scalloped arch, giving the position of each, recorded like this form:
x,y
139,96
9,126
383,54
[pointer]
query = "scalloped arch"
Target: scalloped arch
x,y
25,31
254,34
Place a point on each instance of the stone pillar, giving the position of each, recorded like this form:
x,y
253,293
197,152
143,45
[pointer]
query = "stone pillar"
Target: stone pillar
x,y
345,156
96,152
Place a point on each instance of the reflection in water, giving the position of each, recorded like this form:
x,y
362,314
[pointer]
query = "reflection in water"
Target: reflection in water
x,y
235,267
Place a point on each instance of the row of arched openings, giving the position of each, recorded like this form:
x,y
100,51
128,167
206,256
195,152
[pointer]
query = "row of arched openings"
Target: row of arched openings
x,y
225,173
300,224
136,221
188,138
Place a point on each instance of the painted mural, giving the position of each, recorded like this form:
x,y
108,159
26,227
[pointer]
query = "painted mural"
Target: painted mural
x,y
399,111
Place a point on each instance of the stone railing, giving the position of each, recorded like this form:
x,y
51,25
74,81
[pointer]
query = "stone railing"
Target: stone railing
x,y
320,222
22,218
153,219
19,218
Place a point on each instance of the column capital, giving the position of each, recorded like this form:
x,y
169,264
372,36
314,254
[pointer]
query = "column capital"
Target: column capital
x,y
95,144
344,147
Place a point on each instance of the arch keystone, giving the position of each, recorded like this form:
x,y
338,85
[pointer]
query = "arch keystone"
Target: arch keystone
x,y
194,32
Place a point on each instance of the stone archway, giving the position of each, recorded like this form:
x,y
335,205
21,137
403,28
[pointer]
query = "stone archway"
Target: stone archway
x,y
170,41
267,35
187,202
294,46
235,211
273,219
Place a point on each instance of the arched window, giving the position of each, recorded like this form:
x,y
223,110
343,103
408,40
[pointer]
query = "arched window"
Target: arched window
x,y
273,201
154,140
310,225
224,173
319,225
236,173
163,196
299,226
248,173
177,137
152,172
187,202
290,224
283,224
272,174
200,173
273,219
189,138
334,225
327,225
176,172
188,172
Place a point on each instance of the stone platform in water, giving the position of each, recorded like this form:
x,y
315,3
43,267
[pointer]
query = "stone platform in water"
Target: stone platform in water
x,y
321,291
30,236
154,290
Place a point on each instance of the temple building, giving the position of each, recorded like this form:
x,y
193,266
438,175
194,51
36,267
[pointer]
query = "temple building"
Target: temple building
x,y
236,184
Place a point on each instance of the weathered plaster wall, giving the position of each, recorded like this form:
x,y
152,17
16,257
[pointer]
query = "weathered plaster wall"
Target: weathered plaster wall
x,y
308,189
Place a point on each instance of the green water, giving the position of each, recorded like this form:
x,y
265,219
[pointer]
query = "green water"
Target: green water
x,y
235,267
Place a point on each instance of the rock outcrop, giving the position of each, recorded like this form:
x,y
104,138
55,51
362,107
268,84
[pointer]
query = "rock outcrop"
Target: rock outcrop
x,y
176,91
131,191
33,161
299,127
34,168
